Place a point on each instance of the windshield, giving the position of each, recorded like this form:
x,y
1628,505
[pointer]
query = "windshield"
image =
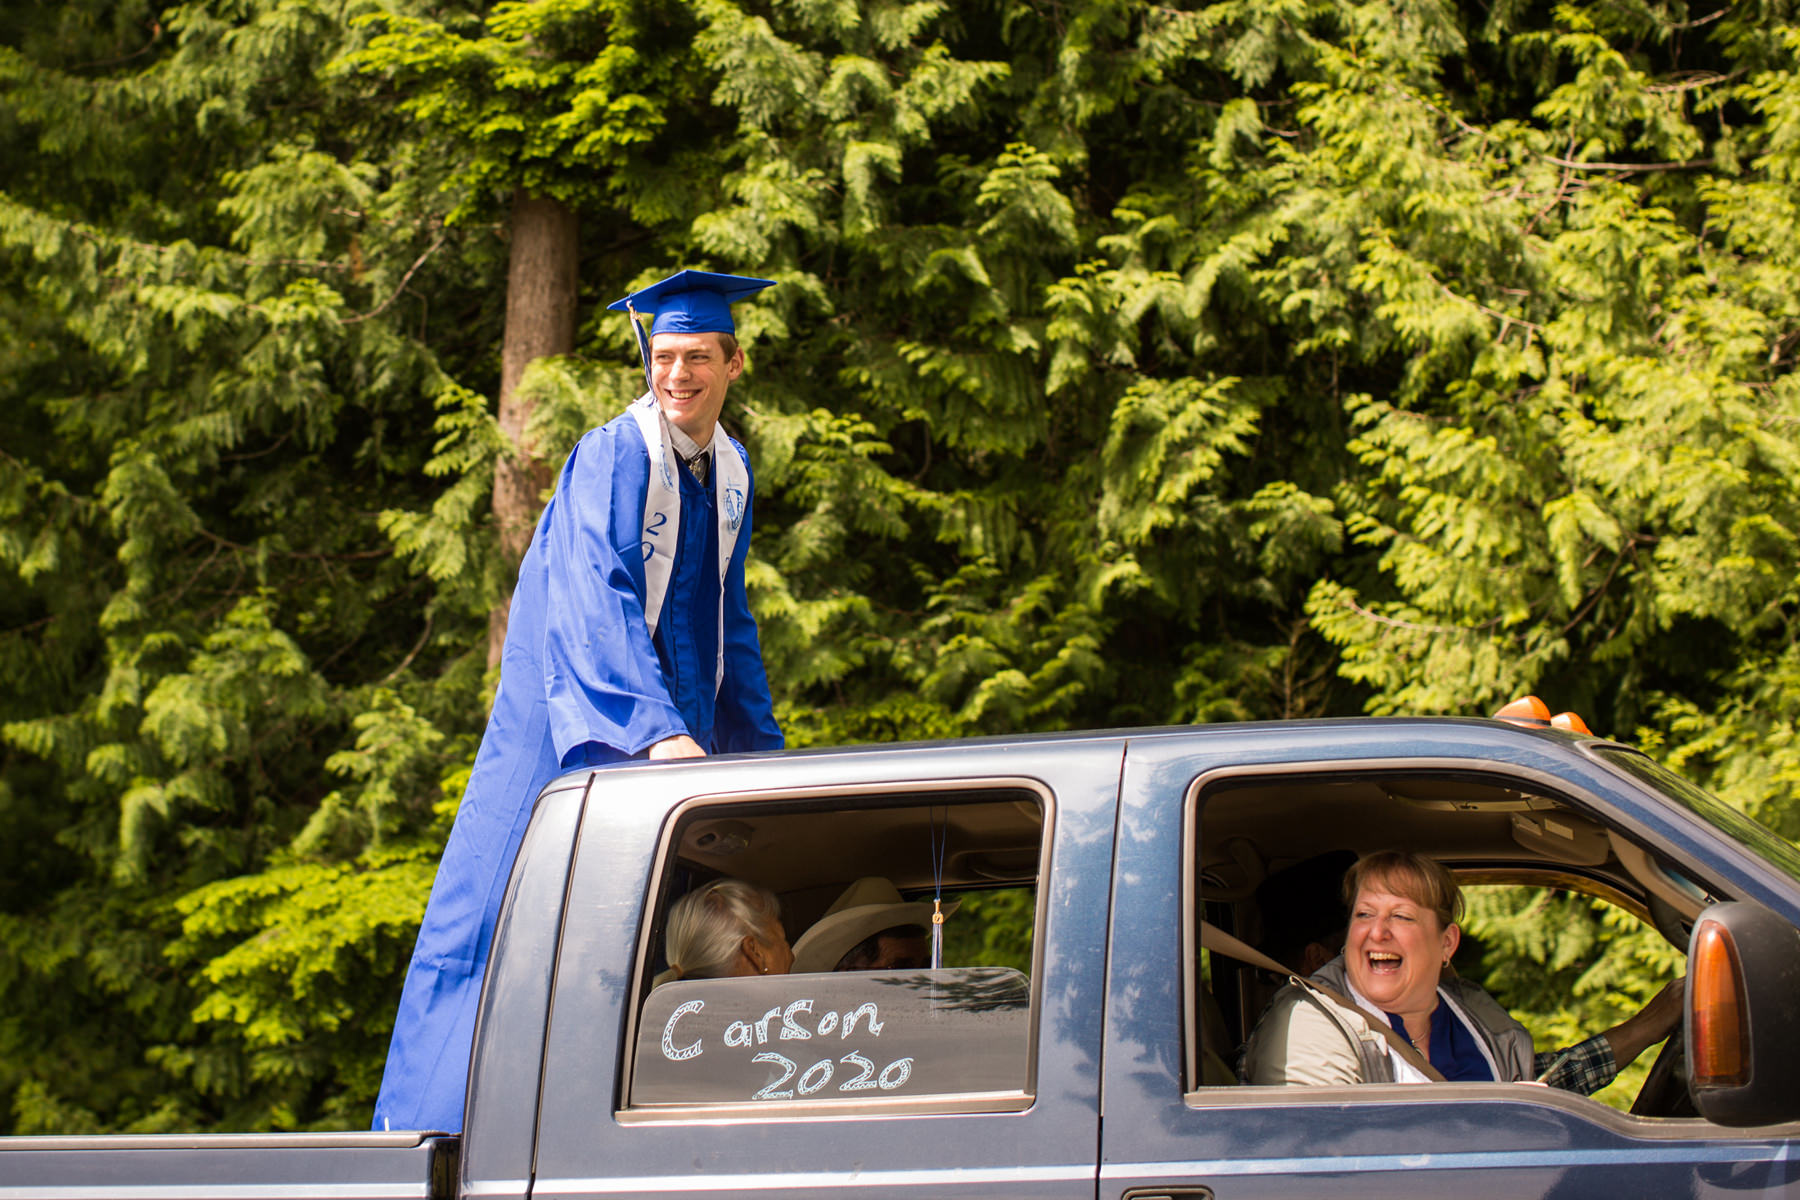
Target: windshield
x,y
1774,848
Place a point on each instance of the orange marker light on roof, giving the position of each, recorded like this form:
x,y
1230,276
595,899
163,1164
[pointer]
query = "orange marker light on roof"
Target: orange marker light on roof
x,y
1526,710
1571,722
1721,1037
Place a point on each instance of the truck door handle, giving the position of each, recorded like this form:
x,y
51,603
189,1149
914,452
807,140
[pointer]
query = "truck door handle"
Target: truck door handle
x,y
1185,1193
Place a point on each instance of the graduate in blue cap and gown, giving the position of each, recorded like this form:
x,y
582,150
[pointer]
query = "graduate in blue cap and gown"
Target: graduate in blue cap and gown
x,y
630,637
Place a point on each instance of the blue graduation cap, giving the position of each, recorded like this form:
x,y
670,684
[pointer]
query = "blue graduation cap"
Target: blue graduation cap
x,y
687,302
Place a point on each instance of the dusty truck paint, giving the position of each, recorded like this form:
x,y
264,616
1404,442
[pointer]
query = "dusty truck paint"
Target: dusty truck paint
x,y
986,1080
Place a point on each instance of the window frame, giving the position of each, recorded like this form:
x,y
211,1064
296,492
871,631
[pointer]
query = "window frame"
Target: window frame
x,y
886,794
1197,1095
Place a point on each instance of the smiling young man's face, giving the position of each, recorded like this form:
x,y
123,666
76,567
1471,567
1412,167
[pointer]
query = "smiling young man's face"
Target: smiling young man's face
x,y
689,373
1395,950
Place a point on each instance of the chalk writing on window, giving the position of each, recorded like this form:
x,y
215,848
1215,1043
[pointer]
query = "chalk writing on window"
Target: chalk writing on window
x,y
839,1035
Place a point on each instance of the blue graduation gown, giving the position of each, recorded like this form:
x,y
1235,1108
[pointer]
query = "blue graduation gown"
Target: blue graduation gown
x,y
582,683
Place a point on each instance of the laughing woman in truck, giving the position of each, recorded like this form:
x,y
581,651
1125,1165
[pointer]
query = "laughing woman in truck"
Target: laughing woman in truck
x,y
728,927
1390,1009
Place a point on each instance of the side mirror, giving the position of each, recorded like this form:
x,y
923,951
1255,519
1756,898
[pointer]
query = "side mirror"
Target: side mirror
x,y
1742,1026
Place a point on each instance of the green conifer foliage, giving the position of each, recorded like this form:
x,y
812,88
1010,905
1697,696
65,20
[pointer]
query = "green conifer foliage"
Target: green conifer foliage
x,y
1131,364
212,387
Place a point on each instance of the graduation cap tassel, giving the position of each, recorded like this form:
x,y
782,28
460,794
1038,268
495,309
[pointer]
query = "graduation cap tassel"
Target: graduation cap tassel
x,y
937,895
937,933
643,341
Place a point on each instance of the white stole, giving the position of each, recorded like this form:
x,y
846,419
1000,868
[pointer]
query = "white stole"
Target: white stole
x,y
662,513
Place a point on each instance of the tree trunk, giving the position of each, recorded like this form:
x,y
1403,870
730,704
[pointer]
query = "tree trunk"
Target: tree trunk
x,y
541,286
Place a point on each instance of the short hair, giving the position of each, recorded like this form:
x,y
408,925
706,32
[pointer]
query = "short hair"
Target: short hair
x,y
1422,880
865,954
707,926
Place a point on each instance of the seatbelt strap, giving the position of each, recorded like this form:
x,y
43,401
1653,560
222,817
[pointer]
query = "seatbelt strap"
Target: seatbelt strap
x,y
1219,942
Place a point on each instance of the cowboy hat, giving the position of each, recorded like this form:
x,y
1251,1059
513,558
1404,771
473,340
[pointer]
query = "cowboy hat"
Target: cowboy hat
x,y
867,907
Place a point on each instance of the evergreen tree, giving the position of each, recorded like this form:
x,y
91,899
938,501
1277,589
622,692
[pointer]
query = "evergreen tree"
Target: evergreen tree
x,y
212,388
1132,364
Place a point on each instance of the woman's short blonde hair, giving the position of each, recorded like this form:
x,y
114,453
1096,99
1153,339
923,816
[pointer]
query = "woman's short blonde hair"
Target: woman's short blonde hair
x,y
707,927
1422,880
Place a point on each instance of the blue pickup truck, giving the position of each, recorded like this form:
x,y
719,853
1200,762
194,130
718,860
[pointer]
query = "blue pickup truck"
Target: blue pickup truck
x,y
1078,1069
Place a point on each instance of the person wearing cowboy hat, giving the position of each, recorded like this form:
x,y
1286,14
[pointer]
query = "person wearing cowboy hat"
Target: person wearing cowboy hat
x,y
871,927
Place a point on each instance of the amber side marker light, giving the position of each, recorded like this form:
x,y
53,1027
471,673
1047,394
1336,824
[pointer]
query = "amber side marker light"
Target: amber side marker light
x,y
1721,1036
1571,722
1526,710
1533,713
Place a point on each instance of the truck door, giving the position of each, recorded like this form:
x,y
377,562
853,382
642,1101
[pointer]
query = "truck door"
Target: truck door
x,y
1208,816
979,1076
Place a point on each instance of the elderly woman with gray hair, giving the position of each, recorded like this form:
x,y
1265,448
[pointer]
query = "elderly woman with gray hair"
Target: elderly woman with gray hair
x,y
728,927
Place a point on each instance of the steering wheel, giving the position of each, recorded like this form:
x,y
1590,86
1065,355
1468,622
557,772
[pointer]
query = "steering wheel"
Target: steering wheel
x,y
1665,1093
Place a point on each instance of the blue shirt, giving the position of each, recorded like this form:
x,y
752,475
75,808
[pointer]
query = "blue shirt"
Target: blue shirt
x,y
1455,1048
